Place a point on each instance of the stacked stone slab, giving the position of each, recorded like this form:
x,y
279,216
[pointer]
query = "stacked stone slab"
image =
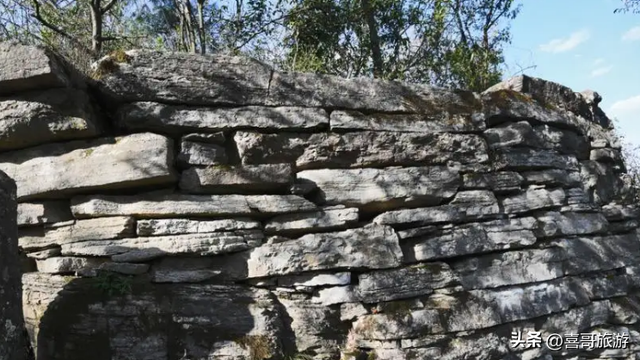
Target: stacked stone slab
x,y
213,208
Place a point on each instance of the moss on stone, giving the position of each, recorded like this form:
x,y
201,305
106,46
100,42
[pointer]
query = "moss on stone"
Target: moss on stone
x,y
110,64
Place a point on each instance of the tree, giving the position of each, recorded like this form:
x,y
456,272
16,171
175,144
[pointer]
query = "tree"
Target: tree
x,y
443,42
629,5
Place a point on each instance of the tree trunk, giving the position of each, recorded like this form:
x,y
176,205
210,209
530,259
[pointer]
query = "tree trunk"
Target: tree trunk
x,y
376,53
96,27
201,33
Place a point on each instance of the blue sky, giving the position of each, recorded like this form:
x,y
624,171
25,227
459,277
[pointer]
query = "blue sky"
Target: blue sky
x,y
582,44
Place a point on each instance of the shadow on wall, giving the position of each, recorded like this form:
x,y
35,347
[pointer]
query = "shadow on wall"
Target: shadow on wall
x,y
113,316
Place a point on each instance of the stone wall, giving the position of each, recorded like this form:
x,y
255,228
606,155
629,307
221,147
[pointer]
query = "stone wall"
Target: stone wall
x,y
179,206
14,344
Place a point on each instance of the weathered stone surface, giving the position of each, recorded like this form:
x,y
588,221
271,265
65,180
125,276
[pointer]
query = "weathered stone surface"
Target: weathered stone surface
x,y
326,219
497,182
44,254
149,328
317,328
457,347
45,212
81,230
601,182
553,97
167,206
511,268
184,78
476,309
335,295
196,153
599,253
183,276
27,68
552,177
13,345
474,238
180,119
313,280
124,268
350,311
370,247
64,265
385,188
110,163
615,212
466,206
201,244
417,280
444,122
157,227
359,149
566,224
48,116
316,90
528,159
225,179
533,199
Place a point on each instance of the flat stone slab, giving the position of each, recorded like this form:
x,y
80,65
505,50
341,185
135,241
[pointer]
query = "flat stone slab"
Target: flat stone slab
x,y
25,68
498,181
199,244
533,199
82,230
408,282
220,179
175,119
181,78
360,149
327,219
46,212
168,206
198,153
109,163
156,227
370,247
474,238
361,93
47,116
384,188
443,122
466,206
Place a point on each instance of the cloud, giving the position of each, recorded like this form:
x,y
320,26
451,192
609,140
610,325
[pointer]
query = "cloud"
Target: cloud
x,y
629,106
601,71
565,44
598,61
632,34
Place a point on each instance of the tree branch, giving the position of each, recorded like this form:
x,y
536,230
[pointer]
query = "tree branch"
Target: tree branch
x,y
108,7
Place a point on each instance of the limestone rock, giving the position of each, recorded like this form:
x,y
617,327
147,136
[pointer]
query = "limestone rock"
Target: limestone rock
x,y
417,280
48,116
567,224
26,68
201,244
82,230
350,311
366,148
124,268
529,159
45,212
552,177
466,206
533,199
601,182
109,163
317,90
598,253
335,295
474,238
150,116
157,227
13,345
44,254
615,212
64,265
168,206
196,153
313,280
437,123
498,181
236,179
511,268
183,78
370,247
385,188
183,276
327,219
